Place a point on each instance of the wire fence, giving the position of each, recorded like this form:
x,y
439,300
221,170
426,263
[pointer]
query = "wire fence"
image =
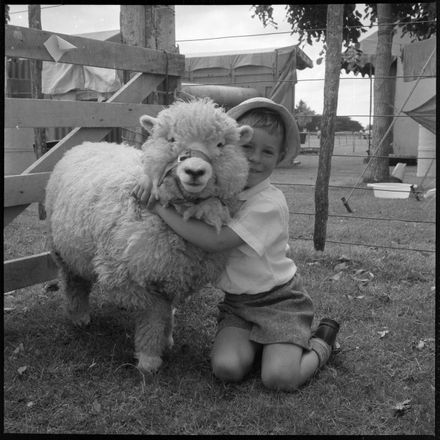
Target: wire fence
x,y
352,141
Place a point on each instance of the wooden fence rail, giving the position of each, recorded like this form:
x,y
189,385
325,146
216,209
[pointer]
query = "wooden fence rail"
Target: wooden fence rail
x,y
93,121
21,42
23,112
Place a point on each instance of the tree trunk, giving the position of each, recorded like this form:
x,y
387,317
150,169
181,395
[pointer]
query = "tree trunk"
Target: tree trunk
x,y
151,26
331,87
378,170
40,146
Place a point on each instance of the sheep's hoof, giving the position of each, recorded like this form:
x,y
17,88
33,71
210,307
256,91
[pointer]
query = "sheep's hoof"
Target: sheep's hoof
x,y
80,320
148,364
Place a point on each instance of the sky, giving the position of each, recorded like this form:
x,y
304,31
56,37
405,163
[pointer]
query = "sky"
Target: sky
x,y
209,21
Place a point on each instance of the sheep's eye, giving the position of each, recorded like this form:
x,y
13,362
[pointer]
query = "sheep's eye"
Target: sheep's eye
x,y
172,140
220,145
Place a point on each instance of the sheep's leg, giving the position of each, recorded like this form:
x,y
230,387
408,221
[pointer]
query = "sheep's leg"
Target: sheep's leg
x,y
77,290
154,328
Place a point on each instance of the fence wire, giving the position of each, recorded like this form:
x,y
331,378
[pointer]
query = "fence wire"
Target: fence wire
x,y
143,136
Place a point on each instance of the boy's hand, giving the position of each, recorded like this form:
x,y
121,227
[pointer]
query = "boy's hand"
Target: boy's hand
x,y
142,190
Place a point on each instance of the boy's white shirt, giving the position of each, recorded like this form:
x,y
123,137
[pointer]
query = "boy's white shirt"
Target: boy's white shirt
x,y
260,263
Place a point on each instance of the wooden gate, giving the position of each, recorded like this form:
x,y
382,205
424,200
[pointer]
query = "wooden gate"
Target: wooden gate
x,y
93,121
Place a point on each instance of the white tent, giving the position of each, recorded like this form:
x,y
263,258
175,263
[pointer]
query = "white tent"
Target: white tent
x,y
409,59
271,72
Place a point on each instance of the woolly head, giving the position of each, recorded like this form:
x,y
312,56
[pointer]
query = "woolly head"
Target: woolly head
x,y
201,136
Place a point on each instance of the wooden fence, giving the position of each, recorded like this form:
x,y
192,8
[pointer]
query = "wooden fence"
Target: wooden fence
x,y
93,121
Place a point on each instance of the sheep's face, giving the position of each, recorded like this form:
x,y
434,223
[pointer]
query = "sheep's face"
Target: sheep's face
x,y
201,136
193,170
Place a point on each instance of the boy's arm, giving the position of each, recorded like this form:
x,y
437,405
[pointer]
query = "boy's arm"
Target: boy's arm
x,y
197,232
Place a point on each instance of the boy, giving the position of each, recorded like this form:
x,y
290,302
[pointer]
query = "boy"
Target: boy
x,y
265,308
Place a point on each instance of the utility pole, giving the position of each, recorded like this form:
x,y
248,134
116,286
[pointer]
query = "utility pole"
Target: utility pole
x,y
40,147
151,26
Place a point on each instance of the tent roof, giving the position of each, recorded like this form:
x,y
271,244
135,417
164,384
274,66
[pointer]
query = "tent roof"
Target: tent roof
x,y
234,59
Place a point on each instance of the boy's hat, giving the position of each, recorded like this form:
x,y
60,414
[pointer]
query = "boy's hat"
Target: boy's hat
x,y
292,143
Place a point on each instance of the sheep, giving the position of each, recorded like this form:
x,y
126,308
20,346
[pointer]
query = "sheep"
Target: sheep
x,y
98,232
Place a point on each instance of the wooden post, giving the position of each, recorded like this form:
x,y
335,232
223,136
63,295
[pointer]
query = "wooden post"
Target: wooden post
x,y
331,87
151,26
40,146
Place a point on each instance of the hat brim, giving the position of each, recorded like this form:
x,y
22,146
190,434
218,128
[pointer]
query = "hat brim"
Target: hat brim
x,y
292,144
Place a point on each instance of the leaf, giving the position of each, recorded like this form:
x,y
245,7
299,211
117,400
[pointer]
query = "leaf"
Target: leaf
x,y
359,271
19,348
383,333
401,407
343,258
21,370
336,277
340,266
366,278
96,406
420,345
361,280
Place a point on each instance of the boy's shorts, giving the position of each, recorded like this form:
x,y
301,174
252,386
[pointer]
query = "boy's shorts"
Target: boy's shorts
x,y
281,315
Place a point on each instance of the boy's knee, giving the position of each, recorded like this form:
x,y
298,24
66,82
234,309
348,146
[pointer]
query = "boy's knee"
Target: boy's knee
x,y
228,369
276,377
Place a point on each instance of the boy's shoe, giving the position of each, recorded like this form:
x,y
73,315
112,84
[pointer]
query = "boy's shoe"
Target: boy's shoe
x,y
327,331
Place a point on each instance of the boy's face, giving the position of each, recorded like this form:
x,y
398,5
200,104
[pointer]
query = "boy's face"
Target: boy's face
x,y
262,153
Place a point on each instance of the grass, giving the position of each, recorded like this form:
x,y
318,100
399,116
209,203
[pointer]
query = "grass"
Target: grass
x,y
85,381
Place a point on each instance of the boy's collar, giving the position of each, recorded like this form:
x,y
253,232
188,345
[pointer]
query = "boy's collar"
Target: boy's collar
x,y
247,193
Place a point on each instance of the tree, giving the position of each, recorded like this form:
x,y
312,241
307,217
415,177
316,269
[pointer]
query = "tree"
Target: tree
x,y
303,114
378,169
344,123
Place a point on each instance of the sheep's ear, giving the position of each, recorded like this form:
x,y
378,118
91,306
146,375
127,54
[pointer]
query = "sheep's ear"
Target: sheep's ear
x,y
147,122
246,133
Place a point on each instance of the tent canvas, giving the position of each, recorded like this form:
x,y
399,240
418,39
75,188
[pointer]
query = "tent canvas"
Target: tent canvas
x,y
63,80
415,56
425,114
72,81
272,72
409,59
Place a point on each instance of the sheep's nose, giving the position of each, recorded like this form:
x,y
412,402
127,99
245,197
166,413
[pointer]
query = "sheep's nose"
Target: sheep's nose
x,y
194,173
